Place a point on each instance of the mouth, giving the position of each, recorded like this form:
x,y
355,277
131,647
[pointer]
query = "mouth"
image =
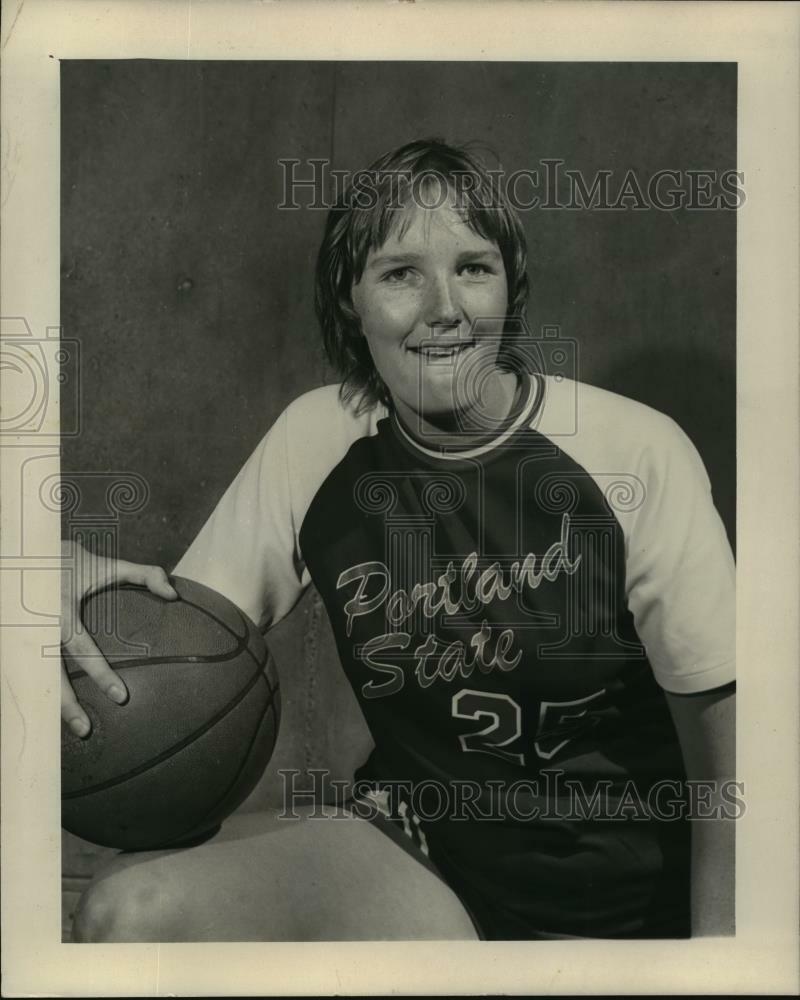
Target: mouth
x,y
443,351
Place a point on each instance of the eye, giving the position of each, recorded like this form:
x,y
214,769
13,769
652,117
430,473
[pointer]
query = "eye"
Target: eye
x,y
476,270
396,275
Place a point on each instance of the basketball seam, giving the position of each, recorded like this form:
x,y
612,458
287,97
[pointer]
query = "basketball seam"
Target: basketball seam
x,y
242,646
176,747
238,772
241,641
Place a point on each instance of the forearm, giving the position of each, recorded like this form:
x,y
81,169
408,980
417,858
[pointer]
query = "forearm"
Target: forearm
x,y
705,727
713,877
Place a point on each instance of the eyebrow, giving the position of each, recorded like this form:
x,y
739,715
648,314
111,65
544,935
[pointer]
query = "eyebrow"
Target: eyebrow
x,y
403,259
394,260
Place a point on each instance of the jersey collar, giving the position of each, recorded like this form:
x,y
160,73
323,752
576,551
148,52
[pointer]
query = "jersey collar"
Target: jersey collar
x,y
522,413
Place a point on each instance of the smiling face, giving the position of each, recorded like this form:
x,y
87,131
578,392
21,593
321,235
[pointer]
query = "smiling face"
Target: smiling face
x,y
418,301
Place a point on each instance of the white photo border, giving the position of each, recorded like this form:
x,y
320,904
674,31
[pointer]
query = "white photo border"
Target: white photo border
x,y
761,39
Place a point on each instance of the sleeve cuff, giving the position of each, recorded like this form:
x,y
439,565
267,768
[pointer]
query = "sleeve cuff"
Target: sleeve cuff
x,y
700,680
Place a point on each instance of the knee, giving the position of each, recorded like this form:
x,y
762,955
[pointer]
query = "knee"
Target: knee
x,y
130,905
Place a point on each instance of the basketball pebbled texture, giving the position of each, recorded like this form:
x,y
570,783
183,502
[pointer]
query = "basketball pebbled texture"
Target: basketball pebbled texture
x,y
198,729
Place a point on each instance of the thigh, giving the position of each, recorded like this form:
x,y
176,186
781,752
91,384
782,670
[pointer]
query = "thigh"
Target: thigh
x,y
268,878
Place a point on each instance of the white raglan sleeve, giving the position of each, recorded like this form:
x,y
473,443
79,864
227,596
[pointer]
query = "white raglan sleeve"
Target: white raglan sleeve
x,y
247,550
680,570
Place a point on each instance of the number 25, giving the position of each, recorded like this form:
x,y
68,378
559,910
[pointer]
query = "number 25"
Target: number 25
x,y
557,726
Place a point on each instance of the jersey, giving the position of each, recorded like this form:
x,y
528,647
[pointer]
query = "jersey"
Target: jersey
x,y
509,614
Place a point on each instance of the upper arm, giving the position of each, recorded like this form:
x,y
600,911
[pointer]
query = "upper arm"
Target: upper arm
x,y
680,571
247,548
681,579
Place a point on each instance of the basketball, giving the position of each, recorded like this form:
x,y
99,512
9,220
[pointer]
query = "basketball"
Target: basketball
x,y
198,728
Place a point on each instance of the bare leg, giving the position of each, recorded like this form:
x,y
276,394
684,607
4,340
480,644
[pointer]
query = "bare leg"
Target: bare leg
x,y
268,879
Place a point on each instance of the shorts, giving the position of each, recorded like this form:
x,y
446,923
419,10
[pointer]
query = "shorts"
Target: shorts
x,y
490,923
491,919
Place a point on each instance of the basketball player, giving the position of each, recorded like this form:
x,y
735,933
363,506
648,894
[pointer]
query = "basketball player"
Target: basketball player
x,y
531,594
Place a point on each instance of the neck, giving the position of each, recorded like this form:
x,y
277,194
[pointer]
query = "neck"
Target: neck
x,y
472,424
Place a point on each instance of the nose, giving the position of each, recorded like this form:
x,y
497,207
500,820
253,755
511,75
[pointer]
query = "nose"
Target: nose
x,y
443,310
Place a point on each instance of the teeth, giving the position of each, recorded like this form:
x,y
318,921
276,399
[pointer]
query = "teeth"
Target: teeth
x,y
442,352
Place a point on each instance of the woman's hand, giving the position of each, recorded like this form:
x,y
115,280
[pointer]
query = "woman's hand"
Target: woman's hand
x,y
83,573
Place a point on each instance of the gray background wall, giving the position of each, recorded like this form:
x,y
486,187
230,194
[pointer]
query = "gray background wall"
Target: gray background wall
x,y
191,294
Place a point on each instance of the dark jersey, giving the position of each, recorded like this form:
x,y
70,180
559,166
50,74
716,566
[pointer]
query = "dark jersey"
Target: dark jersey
x,y
509,614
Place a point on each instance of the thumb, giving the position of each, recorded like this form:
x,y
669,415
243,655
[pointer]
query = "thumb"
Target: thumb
x,y
158,582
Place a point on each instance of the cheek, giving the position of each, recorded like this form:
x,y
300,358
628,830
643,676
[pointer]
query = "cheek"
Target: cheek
x,y
491,301
484,300
386,321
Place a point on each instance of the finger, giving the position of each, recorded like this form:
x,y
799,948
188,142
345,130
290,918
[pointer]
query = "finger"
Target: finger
x,y
152,577
83,650
71,711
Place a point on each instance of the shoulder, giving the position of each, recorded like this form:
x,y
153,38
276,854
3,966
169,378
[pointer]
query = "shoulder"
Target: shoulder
x,y
611,429
321,428
628,419
323,400
310,435
324,409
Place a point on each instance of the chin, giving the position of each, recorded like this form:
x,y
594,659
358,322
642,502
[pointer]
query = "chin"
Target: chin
x,y
445,415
